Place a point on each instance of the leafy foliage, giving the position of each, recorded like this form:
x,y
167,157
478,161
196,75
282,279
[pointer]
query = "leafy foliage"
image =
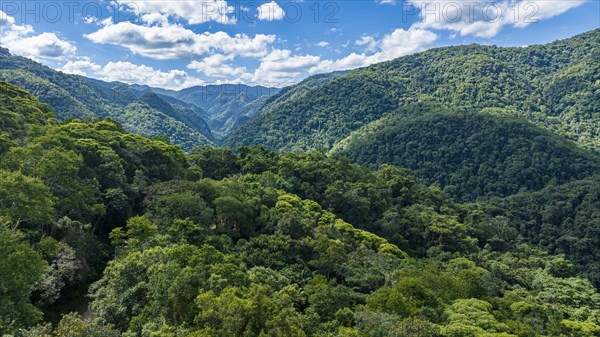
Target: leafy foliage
x,y
563,218
470,155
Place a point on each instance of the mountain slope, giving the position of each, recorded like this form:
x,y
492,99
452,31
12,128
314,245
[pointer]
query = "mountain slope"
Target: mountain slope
x,y
66,105
226,106
85,98
190,116
470,154
269,244
18,107
141,118
518,80
564,218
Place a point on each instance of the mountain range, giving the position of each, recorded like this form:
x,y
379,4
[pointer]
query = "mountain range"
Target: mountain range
x,y
456,116
554,86
450,193
475,120
192,117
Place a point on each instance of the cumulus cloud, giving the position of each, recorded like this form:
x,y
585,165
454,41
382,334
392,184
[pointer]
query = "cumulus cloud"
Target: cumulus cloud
x,y
486,19
157,18
194,12
171,41
351,61
369,42
10,31
141,74
281,68
404,42
399,43
278,67
270,11
45,46
130,73
19,39
83,67
216,66
323,44
6,20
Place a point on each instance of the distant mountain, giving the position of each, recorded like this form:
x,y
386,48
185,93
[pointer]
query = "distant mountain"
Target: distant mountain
x,y
554,86
189,115
139,110
227,106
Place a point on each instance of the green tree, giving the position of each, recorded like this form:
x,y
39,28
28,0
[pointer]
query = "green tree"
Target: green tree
x,y
17,281
24,200
473,317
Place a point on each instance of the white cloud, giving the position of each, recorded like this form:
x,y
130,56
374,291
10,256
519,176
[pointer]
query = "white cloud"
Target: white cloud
x,y
10,31
399,43
160,39
281,68
404,42
44,46
368,41
195,12
168,42
386,2
141,74
216,66
6,20
486,19
19,39
270,11
127,72
240,44
157,18
82,67
348,62
171,41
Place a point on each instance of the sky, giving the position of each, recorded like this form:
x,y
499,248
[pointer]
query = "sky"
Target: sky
x,y
176,44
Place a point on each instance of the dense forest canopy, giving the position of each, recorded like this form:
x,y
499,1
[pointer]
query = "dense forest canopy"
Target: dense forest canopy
x,y
252,242
554,86
470,154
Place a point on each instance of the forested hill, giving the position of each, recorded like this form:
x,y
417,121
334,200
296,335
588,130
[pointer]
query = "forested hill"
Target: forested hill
x,y
205,114
147,240
469,154
554,86
227,107
85,98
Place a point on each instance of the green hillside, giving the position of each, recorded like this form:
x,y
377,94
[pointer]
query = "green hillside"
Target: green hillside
x,y
565,218
73,96
469,154
226,107
554,86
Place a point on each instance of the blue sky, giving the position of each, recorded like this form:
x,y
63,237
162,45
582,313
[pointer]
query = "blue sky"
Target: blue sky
x,y
180,43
